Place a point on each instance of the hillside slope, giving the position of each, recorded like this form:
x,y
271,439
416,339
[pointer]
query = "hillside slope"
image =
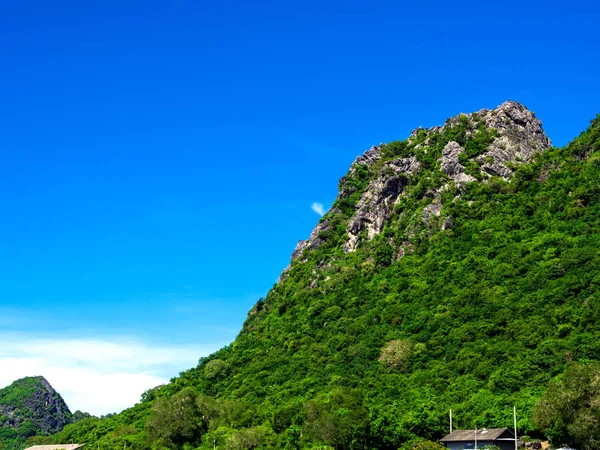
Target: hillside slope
x,y
456,269
31,406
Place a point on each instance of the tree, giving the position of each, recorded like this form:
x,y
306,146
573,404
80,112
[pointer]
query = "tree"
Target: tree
x,y
176,420
246,439
397,354
422,444
216,368
338,419
569,411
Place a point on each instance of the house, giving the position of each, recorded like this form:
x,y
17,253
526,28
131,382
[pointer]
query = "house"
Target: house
x,y
56,447
471,439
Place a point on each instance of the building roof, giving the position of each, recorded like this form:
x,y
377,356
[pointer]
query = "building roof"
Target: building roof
x,y
485,434
56,447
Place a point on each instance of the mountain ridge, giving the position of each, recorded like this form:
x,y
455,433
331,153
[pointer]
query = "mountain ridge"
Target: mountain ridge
x,y
520,136
457,269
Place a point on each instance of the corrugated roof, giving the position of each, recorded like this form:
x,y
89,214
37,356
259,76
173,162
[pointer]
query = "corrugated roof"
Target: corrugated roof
x,y
488,434
56,447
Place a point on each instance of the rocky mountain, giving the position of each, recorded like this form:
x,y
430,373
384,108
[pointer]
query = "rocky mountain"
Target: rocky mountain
x,y
31,406
457,269
496,142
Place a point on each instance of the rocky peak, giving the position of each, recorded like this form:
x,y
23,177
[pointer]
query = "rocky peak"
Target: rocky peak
x,y
470,147
33,400
520,137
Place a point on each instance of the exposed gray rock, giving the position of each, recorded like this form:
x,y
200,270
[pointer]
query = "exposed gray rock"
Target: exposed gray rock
x,y
368,157
433,210
376,204
415,132
312,242
40,404
520,136
447,224
450,165
300,248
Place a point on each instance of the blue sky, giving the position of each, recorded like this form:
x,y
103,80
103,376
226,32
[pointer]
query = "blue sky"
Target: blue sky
x,y
159,160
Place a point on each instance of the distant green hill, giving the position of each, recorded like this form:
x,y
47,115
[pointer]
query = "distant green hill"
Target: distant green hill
x,y
30,406
458,269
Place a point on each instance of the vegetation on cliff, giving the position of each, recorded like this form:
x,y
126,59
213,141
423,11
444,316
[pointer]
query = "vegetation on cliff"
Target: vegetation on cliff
x,y
30,406
457,269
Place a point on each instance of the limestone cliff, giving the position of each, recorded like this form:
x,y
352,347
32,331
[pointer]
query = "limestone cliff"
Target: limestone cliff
x,y
33,403
496,142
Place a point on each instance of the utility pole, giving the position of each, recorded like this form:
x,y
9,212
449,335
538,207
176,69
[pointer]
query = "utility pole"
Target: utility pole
x,y
475,438
515,420
450,421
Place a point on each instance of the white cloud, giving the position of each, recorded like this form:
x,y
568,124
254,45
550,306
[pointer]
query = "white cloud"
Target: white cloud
x,y
318,208
98,376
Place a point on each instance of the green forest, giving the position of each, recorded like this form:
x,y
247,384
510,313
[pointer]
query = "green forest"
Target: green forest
x,y
370,349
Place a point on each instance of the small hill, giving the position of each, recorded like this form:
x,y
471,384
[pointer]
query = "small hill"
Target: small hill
x,y
31,406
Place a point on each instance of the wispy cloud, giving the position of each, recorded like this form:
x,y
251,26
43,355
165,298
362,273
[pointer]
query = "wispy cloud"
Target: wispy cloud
x,y
318,208
95,375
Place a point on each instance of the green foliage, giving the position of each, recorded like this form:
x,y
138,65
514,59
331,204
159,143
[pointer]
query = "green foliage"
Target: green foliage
x,y
19,392
216,368
569,411
248,438
338,419
369,349
175,420
422,444
29,408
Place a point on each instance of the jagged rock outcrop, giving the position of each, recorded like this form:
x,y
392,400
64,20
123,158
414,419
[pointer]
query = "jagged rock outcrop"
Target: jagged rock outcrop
x,y
520,136
366,159
33,400
515,136
450,165
312,242
376,204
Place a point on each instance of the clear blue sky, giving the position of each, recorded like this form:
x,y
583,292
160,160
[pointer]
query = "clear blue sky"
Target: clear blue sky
x,y
158,160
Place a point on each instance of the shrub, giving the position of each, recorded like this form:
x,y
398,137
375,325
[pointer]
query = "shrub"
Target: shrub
x,y
216,368
397,354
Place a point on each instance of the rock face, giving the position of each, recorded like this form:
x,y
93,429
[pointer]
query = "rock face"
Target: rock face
x,y
376,204
365,160
520,137
515,136
312,242
450,165
33,401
